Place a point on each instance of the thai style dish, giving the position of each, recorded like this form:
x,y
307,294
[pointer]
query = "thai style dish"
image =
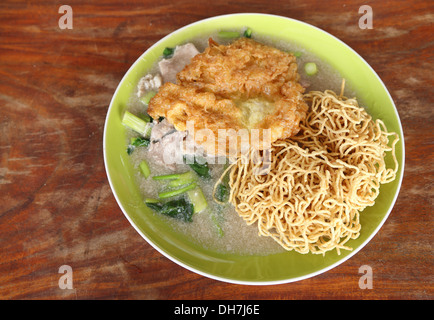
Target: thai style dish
x,y
248,145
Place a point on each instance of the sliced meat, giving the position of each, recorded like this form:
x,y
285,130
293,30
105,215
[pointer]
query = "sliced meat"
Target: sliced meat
x,y
181,57
149,82
166,145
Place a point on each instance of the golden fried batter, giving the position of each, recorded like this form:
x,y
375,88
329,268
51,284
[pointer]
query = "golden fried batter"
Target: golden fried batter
x,y
244,85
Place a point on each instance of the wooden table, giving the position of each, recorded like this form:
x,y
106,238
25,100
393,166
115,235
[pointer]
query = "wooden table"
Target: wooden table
x,y
57,208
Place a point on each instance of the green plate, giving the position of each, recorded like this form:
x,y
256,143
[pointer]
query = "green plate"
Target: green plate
x,y
257,270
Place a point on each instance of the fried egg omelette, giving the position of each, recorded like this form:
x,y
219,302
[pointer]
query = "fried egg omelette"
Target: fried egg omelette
x,y
244,85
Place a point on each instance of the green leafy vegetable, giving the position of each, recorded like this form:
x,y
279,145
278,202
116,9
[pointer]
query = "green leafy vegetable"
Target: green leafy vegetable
x,y
222,190
248,33
140,142
178,209
137,142
202,169
130,149
167,52
159,119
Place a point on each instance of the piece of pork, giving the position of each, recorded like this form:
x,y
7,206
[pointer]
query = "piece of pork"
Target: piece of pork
x,y
169,146
148,83
166,145
181,57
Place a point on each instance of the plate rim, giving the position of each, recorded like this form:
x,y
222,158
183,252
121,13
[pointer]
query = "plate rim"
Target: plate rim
x,y
252,282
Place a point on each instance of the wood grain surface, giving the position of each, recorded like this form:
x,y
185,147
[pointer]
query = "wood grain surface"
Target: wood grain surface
x,y
56,205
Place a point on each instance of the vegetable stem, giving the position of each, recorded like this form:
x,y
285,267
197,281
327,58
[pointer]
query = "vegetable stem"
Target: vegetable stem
x,y
172,193
228,34
217,225
310,68
146,117
144,168
183,179
198,199
147,97
135,123
171,176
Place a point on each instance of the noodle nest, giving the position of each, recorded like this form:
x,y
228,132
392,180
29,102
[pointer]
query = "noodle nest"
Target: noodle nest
x,y
309,197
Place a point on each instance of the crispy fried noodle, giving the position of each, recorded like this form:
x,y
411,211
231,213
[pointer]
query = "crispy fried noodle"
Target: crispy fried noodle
x,y
320,180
